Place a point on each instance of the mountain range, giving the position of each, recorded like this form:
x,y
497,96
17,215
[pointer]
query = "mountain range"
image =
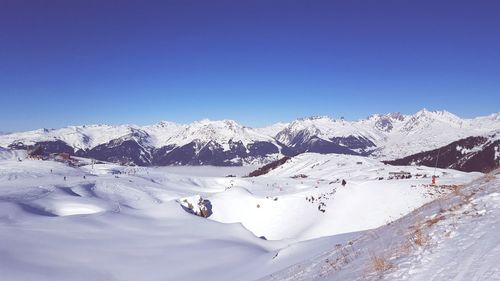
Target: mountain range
x,y
227,143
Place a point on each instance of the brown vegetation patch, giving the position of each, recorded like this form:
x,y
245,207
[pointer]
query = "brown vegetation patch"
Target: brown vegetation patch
x,y
380,264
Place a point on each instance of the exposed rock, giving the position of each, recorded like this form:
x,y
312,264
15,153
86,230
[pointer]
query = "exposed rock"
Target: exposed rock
x,y
196,205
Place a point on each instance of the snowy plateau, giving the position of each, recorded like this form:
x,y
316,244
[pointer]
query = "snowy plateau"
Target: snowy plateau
x,y
120,203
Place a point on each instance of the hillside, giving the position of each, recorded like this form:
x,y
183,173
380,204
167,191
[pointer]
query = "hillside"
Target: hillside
x,y
472,154
100,221
452,238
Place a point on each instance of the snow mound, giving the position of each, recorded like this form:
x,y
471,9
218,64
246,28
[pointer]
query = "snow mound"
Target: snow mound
x,y
63,208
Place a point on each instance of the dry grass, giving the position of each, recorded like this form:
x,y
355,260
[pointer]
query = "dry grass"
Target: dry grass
x,y
433,221
345,254
457,190
380,264
419,238
406,248
489,177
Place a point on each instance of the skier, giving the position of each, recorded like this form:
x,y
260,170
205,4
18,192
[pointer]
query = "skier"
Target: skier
x,y
64,177
343,182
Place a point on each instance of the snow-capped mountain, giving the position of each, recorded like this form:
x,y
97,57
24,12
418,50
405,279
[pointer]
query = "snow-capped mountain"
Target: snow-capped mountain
x,y
78,137
428,130
326,135
204,142
389,136
217,143
135,147
479,154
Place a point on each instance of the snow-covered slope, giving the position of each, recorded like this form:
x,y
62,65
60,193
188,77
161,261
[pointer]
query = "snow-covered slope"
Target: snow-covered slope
x,y
273,129
306,192
9,154
452,238
479,153
111,222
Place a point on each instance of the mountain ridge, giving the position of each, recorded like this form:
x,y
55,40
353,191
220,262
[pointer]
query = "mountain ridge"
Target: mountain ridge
x,y
226,142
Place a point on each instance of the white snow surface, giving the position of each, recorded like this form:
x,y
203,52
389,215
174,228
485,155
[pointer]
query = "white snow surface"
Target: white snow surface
x,y
452,238
9,154
109,222
273,129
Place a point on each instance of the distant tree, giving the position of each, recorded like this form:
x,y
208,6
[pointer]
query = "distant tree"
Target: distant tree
x,y
36,150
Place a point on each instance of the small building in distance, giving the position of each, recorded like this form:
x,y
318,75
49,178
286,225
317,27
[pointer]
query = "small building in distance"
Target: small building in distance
x,y
399,175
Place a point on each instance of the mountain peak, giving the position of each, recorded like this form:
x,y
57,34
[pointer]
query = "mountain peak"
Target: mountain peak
x,y
225,123
425,111
165,123
314,118
395,116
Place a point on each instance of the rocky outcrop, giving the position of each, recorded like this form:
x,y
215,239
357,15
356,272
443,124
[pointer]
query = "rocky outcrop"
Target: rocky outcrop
x,y
196,205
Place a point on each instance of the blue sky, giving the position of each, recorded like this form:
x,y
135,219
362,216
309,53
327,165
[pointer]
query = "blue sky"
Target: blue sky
x,y
257,62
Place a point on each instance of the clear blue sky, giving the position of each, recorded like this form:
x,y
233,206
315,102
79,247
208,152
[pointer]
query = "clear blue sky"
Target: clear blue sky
x,y
76,62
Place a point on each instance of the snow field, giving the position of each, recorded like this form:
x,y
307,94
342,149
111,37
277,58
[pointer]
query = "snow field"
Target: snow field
x,y
109,222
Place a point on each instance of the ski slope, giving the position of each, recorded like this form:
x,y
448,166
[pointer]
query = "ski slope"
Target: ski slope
x,y
110,222
451,238
365,202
